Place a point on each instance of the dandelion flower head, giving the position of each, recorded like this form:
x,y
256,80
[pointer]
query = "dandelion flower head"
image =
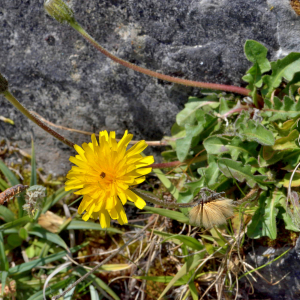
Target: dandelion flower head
x,y
104,172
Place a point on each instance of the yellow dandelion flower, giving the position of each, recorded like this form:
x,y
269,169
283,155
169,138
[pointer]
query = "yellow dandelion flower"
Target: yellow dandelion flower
x,y
104,172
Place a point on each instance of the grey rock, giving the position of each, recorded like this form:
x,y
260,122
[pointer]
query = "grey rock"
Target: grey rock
x,y
53,71
283,273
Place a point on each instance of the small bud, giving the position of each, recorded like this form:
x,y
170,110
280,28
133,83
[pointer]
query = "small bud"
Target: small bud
x,y
34,199
59,10
3,84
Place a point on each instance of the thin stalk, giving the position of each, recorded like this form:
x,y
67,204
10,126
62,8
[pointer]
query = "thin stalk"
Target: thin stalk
x,y
177,163
132,142
152,199
34,119
205,85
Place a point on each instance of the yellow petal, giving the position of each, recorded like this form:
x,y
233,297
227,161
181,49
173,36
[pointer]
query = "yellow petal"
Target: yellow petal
x,y
122,219
113,213
110,203
136,149
86,201
94,141
138,201
139,180
73,187
123,198
123,143
79,163
104,218
80,152
139,172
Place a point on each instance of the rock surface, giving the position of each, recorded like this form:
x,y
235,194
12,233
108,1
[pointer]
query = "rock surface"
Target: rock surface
x,y
281,273
53,71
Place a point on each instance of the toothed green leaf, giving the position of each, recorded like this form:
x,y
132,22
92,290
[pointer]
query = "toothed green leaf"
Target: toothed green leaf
x,y
264,220
281,69
242,173
234,146
281,110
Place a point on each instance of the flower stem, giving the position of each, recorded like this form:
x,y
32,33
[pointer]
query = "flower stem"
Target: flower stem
x,y
152,199
213,86
34,119
177,163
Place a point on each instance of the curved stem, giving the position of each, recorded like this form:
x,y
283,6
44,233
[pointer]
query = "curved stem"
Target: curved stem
x,y
34,119
178,163
212,86
152,199
132,142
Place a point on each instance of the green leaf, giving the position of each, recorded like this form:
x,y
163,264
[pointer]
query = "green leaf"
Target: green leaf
x,y
254,131
281,110
15,223
234,146
8,174
257,53
51,289
167,183
174,215
286,216
235,169
89,225
42,261
23,234
295,181
264,220
287,142
49,236
191,263
4,276
210,125
97,282
187,240
14,240
183,145
282,68
169,155
285,128
188,115
3,259
3,185
30,251
13,181
195,133
267,156
6,214
51,200
211,174
193,290
291,157
223,109
33,178
93,293
292,86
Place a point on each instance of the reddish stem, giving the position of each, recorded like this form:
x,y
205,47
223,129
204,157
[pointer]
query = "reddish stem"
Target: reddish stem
x,y
213,86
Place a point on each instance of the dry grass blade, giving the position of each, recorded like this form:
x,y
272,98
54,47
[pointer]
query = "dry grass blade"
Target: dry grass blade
x,y
102,263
